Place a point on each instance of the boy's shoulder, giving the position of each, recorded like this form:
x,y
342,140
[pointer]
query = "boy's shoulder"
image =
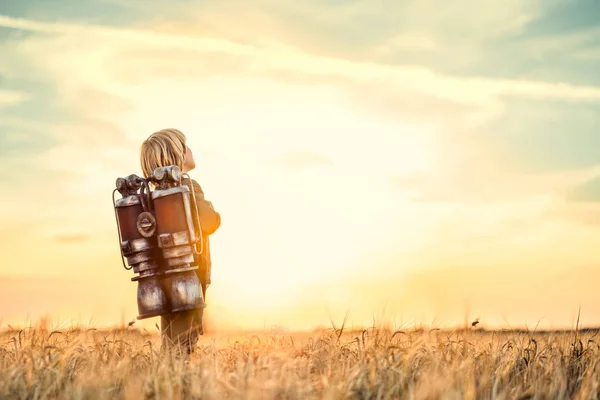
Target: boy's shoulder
x,y
193,185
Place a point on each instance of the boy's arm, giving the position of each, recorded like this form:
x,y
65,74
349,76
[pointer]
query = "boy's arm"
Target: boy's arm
x,y
210,220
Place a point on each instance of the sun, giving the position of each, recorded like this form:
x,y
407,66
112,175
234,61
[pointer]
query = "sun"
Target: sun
x,y
285,225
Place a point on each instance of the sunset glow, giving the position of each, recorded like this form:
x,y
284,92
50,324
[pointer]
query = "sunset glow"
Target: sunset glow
x,y
368,158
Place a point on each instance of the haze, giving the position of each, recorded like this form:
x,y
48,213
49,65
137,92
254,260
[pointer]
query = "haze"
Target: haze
x,y
420,161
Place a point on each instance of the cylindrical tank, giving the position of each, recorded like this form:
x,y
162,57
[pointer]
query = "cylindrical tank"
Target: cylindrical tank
x,y
137,227
176,239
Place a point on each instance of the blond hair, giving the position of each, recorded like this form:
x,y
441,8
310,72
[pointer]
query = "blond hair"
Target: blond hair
x,y
162,148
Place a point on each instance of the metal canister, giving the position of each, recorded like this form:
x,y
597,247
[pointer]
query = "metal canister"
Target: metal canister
x,y
137,226
176,239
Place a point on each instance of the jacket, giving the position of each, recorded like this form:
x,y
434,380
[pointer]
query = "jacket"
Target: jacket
x,y
210,221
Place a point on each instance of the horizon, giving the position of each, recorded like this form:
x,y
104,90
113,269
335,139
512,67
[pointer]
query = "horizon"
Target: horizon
x,y
47,322
408,160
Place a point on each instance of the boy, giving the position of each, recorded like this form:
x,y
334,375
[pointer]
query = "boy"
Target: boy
x,y
168,147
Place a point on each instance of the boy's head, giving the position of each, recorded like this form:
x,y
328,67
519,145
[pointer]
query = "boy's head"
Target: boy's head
x,y
165,147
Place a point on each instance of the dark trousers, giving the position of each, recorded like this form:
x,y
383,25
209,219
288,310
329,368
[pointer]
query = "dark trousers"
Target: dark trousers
x,y
182,329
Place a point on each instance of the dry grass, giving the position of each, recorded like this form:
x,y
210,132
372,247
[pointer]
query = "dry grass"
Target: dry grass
x,y
40,363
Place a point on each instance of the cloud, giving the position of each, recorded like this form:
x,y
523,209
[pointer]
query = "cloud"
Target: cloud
x,y
107,91
286,59
352,27
478,175
591,54
72,238
150,60
415,107
103,93
489,40
300,159
566,17
467,90
587,192
581,213
137,36
546,136
11,97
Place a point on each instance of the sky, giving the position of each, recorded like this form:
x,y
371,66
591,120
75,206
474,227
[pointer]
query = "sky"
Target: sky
x,y
412,162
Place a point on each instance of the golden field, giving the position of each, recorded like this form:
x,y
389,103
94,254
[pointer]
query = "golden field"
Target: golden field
x,y
374,363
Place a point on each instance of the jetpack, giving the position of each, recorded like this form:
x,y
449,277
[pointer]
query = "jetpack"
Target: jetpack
x,y
160,236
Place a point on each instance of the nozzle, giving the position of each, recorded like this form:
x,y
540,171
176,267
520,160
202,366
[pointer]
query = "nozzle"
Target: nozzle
x,y
134,182
166,175
121,184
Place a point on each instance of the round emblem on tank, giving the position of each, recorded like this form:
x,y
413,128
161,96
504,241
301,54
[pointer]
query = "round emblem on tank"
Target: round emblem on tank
x,y
146,224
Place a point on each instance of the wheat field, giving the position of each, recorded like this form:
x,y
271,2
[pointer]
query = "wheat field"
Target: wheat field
x,y
373,363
